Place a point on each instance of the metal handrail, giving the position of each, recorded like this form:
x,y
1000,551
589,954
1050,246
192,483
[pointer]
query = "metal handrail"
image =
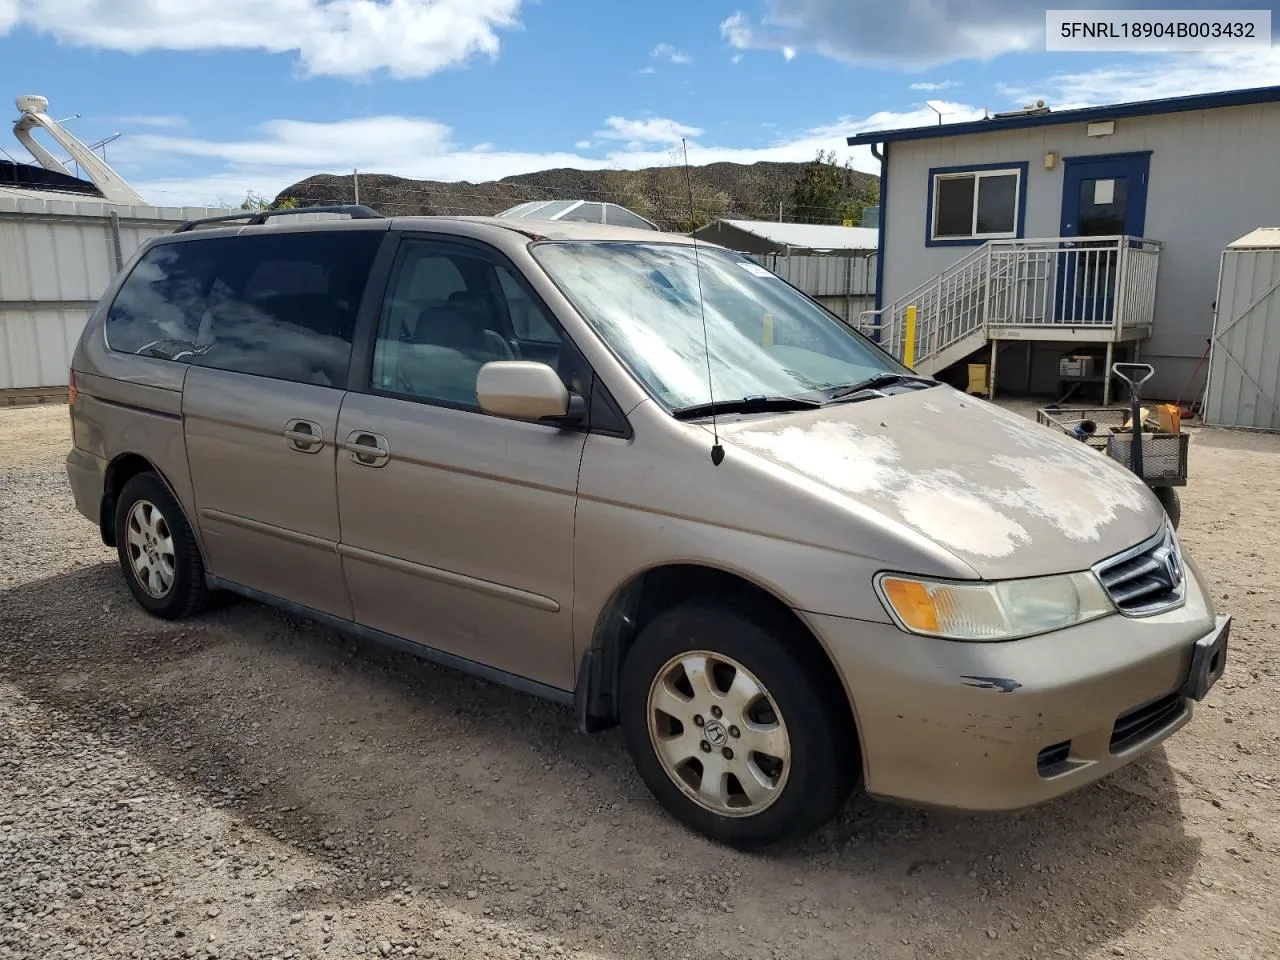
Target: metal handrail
x,y
1027,281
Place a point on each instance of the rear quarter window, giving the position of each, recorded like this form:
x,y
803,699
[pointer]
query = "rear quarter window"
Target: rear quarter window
x,y
157,311
280,305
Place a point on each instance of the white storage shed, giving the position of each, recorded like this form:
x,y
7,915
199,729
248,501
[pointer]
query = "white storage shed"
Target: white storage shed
x,y
1243,389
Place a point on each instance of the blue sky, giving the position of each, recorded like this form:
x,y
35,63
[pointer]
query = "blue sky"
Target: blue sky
x,y
214,98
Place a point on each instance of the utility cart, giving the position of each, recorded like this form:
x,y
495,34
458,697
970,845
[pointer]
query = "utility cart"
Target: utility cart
x,y
1158,456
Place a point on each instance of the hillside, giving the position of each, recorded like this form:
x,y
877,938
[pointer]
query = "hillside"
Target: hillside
x,y
750,192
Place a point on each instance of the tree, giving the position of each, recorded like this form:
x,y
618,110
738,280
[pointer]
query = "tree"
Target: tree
x,y
256,201
827,192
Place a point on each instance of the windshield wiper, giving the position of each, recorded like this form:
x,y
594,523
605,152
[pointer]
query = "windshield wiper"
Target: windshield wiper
x,y
878,382
759,404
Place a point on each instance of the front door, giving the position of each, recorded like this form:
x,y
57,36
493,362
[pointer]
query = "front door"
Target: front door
x,y
1103,196
457,527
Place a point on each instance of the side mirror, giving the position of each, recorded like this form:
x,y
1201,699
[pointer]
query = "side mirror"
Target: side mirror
x,y
524,390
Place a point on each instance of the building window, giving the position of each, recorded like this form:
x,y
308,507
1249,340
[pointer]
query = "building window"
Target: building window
x,y
976,204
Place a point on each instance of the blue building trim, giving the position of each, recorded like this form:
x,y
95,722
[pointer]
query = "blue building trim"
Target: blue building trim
x,y
1022,166
1145,108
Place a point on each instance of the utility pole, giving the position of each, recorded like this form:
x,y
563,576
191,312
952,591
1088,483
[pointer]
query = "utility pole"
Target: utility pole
x,y
779,211
355,183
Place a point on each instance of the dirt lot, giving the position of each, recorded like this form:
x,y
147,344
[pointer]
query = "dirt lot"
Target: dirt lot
x,y
249,785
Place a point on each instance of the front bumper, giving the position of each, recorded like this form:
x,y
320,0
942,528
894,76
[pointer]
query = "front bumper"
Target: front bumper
x,y
1002,726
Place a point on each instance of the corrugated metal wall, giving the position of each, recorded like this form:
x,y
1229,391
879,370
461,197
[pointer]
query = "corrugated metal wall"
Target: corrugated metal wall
x,y
844,284
56,259
1244,365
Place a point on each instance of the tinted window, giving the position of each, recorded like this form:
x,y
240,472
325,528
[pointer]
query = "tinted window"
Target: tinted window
x,y
279,305
157,310
437,353
586,213
620,217
954,207
979,204
997,203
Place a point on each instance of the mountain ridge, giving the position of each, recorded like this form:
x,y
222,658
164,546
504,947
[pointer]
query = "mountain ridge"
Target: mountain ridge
x,y
661,194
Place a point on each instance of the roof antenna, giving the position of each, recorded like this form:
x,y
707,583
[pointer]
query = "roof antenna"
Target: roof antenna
x,y
717,451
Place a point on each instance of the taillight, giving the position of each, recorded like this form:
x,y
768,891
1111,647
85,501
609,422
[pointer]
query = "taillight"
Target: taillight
x,y
72,391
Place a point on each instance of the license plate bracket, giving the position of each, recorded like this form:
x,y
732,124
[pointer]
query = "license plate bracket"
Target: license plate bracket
x,y
1208,660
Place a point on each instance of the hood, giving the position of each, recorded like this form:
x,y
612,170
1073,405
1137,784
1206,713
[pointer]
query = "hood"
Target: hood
x,y
1008,496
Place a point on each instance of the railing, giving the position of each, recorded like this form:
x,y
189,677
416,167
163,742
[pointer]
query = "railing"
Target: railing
x,y
1094,282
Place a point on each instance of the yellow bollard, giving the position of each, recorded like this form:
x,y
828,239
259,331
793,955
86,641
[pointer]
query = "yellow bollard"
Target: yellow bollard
x,y
909,349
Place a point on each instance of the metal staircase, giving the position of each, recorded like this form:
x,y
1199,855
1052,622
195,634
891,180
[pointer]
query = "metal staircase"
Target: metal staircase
x,y
1099,289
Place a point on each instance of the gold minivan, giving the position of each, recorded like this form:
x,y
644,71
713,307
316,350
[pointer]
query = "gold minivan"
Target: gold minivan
x,y
647,479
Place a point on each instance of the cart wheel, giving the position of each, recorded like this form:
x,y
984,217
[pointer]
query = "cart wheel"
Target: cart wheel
x,y
1172,503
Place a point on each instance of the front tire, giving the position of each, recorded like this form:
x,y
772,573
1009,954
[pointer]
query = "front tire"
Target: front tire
x,y
1172,503
737,729
158,552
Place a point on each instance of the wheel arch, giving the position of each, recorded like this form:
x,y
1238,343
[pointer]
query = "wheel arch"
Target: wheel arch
x,y
123,468
634,603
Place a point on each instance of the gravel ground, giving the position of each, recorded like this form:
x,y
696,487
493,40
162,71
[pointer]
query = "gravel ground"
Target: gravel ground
x,y
248,785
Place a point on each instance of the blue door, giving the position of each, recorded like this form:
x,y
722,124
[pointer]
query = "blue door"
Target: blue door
x,y
1103,196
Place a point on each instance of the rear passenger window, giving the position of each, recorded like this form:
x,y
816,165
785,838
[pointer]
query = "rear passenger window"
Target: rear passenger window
x,y
279,305
446,315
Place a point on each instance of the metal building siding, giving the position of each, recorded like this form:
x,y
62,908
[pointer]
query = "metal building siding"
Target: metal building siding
x,y
1244,365
56,259
824,275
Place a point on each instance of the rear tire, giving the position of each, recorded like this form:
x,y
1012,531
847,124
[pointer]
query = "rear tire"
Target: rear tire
x,y
1172,503
158,553
736,727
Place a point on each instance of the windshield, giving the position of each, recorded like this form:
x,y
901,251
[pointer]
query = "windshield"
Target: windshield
x,y
765,338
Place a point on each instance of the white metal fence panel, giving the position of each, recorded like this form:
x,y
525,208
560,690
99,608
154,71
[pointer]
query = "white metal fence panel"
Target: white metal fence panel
x,y
56,259
824,275
1244,363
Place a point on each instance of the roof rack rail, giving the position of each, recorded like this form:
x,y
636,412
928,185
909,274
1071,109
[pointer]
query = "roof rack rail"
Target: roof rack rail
x,y
356,211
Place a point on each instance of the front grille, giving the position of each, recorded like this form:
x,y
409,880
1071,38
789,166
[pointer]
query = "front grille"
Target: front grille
x,y
1143,721
1147,579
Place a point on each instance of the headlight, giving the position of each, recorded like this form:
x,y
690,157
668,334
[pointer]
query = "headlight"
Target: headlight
x,y
1004,610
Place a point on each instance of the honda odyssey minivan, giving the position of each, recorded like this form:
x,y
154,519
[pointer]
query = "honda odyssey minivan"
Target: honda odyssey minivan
x,y
646,478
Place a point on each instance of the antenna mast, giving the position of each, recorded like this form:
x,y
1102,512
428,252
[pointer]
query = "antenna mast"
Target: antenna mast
x,y
717,451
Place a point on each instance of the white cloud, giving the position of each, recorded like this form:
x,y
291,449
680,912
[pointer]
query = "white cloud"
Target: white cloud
x,y
645,71
174,170
932,87
788,53
665,51
915,33
165,122
1153,77
407,38
650,130
737,29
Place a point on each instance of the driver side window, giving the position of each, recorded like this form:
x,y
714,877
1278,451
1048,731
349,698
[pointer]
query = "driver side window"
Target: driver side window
x,y
444,317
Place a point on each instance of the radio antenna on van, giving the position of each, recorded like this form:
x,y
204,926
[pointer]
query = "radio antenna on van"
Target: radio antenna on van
x,y
717,451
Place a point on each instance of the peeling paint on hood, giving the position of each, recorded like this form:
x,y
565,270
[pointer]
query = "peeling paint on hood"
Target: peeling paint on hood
x,y
1006,495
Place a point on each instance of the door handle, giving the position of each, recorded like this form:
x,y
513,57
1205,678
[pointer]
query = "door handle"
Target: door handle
x,y
367,449
305,436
